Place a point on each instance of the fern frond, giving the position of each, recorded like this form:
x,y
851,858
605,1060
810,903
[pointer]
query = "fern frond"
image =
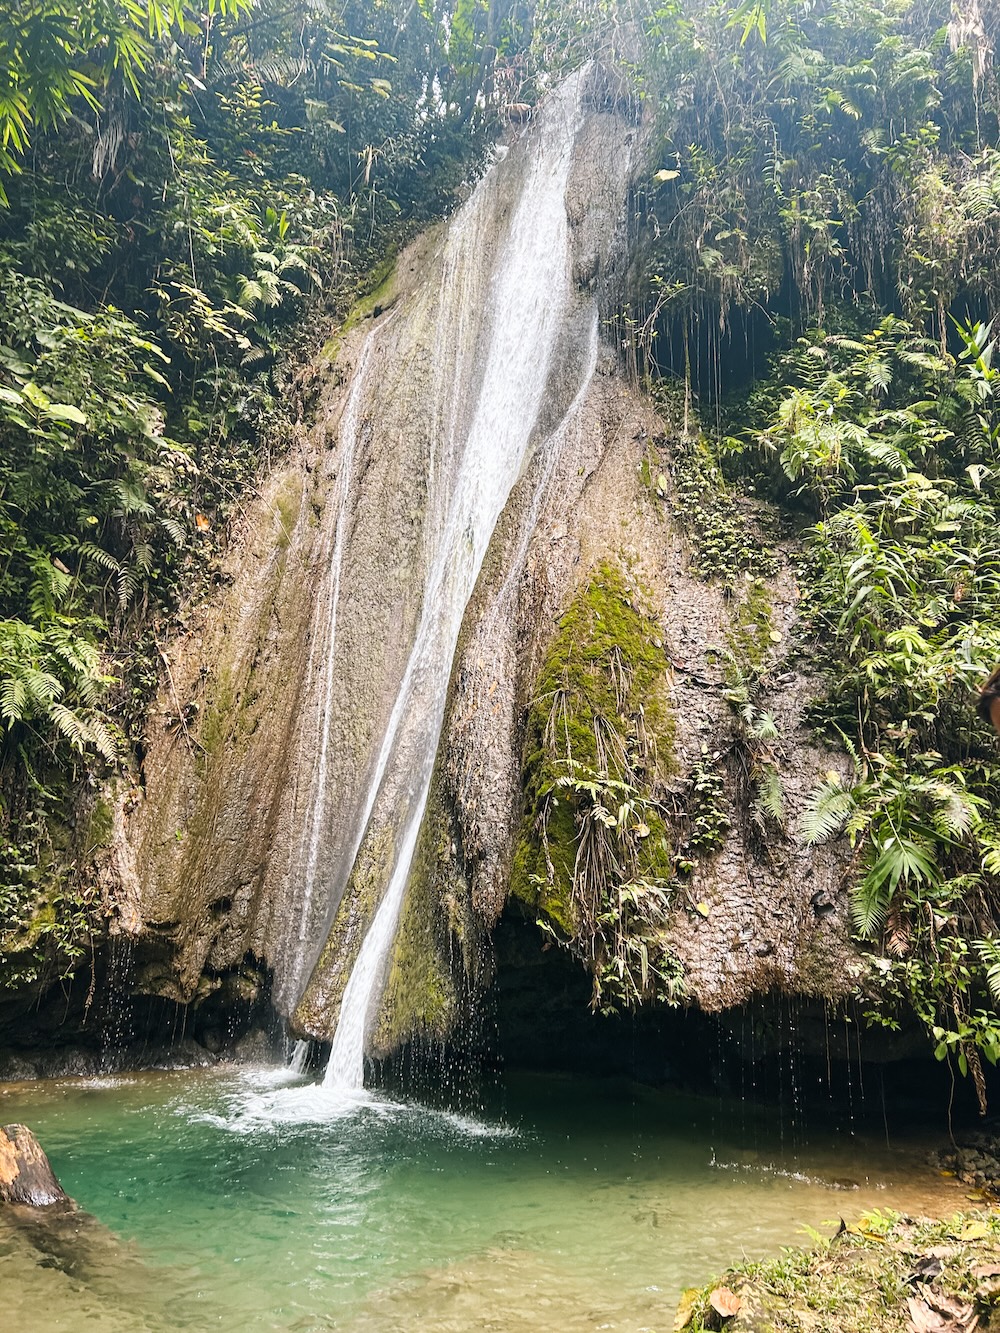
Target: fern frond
x,y
988,836
13,698
129,581
955,813
879,374
869,905
771,796
98,556
174,530
898,934
880,451
989,955
254,355
765,728
132,499
827,812
249,293
857,822
41,686
71,725
107,739
978,200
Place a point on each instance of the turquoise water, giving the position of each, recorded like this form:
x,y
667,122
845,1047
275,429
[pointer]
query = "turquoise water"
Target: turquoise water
x,y
242,1200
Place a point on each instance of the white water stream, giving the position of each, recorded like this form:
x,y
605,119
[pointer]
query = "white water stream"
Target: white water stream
x,y
471,475
316,831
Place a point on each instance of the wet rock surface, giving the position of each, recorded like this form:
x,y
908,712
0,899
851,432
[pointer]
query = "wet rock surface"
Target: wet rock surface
x,y
61,1270
25,1174
107,1020
974,1159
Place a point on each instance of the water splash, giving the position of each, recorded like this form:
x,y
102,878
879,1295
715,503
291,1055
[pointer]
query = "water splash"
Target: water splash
x,y
299,1063
269,1101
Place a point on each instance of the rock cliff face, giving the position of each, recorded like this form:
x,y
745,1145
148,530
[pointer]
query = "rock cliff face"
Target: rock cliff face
x,y
250,840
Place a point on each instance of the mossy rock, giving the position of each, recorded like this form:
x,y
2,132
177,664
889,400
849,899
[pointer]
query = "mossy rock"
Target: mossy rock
x,y
599,743
49,905
437,953
381,293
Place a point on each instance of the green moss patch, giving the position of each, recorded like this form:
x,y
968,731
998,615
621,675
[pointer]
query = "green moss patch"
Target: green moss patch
x,y
419,997
594,859
49,905
727,544
381,284
752,637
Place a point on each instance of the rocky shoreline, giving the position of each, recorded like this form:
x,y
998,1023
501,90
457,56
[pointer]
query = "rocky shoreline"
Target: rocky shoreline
x,y
974,1159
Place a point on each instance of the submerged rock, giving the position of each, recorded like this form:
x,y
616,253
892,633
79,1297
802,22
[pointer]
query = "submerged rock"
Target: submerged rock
x,y
25,1174
60,1268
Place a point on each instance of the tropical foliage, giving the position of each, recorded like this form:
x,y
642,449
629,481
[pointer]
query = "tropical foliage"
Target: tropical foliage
x,y
904,575
818,232
181,185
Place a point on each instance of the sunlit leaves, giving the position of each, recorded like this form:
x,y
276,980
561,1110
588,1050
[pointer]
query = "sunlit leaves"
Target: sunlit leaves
x,y
56,56
51,678
752,14
84,478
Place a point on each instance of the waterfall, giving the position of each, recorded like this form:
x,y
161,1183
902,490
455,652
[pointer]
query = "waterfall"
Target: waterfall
x,y
299,1062
326,645
491,365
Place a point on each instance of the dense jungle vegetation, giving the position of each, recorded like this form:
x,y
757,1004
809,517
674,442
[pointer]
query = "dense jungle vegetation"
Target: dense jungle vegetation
x,y
189,191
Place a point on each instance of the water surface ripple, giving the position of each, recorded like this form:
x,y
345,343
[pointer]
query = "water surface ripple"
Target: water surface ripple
x,y
248,1200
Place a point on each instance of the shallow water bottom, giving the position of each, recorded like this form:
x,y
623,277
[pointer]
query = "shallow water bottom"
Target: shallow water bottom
x,y
246,1200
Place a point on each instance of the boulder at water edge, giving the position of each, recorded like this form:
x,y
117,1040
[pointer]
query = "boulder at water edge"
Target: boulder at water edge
x,y
25,1174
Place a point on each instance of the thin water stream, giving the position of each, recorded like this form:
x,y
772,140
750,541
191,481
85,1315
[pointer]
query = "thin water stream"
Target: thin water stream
x,y
246,1200
509,340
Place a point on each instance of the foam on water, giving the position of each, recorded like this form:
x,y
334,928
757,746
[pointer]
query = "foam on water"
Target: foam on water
x,y
268,1100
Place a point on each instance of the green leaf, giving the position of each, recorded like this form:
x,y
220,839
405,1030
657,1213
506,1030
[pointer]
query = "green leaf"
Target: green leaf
x,y
65,412
36,396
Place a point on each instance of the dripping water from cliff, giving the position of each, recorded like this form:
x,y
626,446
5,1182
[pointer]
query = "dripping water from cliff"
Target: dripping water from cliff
x,y
801,1062
322,657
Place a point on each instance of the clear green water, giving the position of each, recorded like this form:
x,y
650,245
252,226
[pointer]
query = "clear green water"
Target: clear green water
x,y
240,1201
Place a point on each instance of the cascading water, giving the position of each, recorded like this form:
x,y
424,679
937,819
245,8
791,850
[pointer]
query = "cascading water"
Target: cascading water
x,y
299,1062
502,338
326,644
530,290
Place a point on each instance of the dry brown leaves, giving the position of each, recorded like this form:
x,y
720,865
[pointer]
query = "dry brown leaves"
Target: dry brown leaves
x,y
725,1303
933,1312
